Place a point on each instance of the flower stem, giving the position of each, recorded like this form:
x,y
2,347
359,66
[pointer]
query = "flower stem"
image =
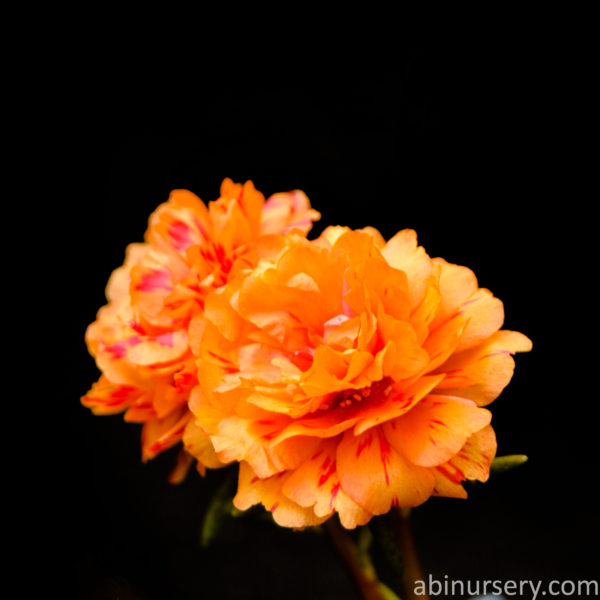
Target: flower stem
x,y
411,568
358,561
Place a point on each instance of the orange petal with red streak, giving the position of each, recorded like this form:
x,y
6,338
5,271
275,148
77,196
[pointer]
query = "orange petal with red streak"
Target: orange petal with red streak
x,y
472,462
435,429
378,477
268,491
316,484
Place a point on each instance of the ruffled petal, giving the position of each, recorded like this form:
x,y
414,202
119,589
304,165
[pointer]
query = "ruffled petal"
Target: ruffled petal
x,y
240,439
181,468
378,477
457,284
316,484
402,252
161,349
286,211
107,398
435,429
484,315
198,444
481,373
160,434
253,490
179,223
398,402
472,462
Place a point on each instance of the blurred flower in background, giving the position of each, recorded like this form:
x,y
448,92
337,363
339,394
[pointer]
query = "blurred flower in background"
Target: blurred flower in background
x,y
140,338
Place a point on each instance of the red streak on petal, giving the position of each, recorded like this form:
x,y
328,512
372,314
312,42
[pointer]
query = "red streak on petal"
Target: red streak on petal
x,y
122,392
454,477
200,228
405,401
254,479
137,327
467,304
184,381
432,441
439,422
362,445
220,253
180,235
175,305
325,476
316,455
154,280
118,350
334,492
143,404
166,339
384,454
395,501
265,422
274,507
207,255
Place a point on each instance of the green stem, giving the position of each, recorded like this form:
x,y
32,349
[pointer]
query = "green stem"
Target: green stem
x,y
411,568
357,561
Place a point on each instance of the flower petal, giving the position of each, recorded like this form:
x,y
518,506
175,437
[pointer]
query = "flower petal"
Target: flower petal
x,y
376,476
316,484
484,315
435,429
482,372
160,434
161,349
107,398
286,211
252,490
456,284
198,444
182,466
402,252
472,462
399,402
179,223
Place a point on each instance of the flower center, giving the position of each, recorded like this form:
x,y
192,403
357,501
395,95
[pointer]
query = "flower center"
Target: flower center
x,y
378,391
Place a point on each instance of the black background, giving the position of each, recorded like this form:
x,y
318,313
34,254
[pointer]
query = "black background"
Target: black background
x,y
464,143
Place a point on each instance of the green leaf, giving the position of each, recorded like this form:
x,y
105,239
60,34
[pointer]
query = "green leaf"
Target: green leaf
x,y
505,463
220,508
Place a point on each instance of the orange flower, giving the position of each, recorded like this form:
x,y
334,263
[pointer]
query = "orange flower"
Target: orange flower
x,y
140,338
348,375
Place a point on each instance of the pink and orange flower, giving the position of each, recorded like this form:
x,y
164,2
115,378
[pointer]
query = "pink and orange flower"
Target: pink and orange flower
x,y
140,339
346,375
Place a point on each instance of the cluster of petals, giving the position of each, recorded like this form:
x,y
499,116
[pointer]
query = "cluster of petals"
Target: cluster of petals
x,y
140,339
347,375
